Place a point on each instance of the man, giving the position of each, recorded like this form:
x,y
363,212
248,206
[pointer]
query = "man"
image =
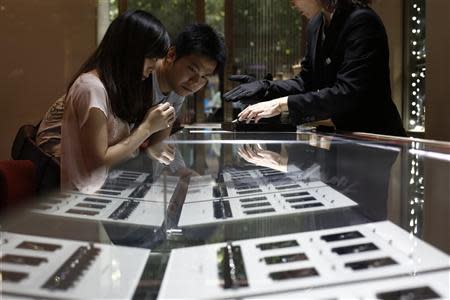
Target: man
x,y
345,74
196,53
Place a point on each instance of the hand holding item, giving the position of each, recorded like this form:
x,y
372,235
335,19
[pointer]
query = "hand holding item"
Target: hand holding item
x,y
159,117
323,142
265,109
161,152
257,155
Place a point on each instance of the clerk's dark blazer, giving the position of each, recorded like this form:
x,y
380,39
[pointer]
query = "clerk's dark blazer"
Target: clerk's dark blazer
x,y
345,78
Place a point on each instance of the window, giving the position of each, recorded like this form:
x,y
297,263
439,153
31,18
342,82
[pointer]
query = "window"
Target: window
x,y
175,14
267,38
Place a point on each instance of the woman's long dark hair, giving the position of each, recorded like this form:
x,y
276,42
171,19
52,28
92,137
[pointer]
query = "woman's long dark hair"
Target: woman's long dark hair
x,y
119,60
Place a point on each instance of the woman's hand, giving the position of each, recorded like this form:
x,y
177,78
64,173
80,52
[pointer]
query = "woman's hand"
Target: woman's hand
x,y
264,109
163,153
159,117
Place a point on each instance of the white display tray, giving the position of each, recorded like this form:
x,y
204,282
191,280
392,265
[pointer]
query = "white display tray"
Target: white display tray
x,y
75,205
125,185
113,273
294,201
435,285
201,187
193,272
119,190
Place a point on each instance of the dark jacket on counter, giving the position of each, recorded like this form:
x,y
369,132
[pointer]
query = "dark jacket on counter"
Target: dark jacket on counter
x,y
345,76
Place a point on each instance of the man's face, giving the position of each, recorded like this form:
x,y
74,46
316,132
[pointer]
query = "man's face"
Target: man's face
x,y
188,74
308,8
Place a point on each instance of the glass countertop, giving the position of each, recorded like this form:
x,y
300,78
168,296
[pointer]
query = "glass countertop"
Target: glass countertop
x,y
191,211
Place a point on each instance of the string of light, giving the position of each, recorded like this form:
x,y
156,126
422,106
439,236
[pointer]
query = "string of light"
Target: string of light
x,y
417,68
416,111
416,190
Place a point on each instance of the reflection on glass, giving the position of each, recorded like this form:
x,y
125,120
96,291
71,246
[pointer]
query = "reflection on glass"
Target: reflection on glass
x,y
209,193
415,191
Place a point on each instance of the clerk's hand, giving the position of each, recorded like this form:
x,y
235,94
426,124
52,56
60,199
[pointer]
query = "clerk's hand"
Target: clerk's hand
x,y
265,109
161,152
250,90
242,78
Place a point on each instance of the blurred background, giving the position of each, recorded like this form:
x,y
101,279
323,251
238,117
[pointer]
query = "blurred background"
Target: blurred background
x,y
44,42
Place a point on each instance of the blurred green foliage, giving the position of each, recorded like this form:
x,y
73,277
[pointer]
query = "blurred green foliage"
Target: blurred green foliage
x,y
266,32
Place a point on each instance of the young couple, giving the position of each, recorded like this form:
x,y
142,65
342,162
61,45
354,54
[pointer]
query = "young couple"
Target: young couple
x,y
98,122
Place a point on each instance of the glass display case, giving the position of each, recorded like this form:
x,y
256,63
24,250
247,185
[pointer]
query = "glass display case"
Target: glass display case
x,y
224,215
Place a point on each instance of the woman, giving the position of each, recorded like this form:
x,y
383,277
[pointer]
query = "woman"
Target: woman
x,y
345,74
107,95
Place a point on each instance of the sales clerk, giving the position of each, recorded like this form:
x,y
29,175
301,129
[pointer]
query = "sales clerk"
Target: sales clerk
x,y
345,74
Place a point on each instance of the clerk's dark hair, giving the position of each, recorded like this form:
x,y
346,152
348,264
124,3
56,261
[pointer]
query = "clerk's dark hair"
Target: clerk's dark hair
x,y
119,60
354,3
201,39
360,3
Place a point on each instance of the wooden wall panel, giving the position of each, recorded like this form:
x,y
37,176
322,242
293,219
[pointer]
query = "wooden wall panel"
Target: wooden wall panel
x,y
42,44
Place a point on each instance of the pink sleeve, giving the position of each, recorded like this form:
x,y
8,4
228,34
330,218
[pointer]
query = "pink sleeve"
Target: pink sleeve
x,y
87,96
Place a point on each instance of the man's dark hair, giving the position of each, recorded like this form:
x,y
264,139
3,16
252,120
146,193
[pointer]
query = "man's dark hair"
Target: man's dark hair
x,y
119,59
201,39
